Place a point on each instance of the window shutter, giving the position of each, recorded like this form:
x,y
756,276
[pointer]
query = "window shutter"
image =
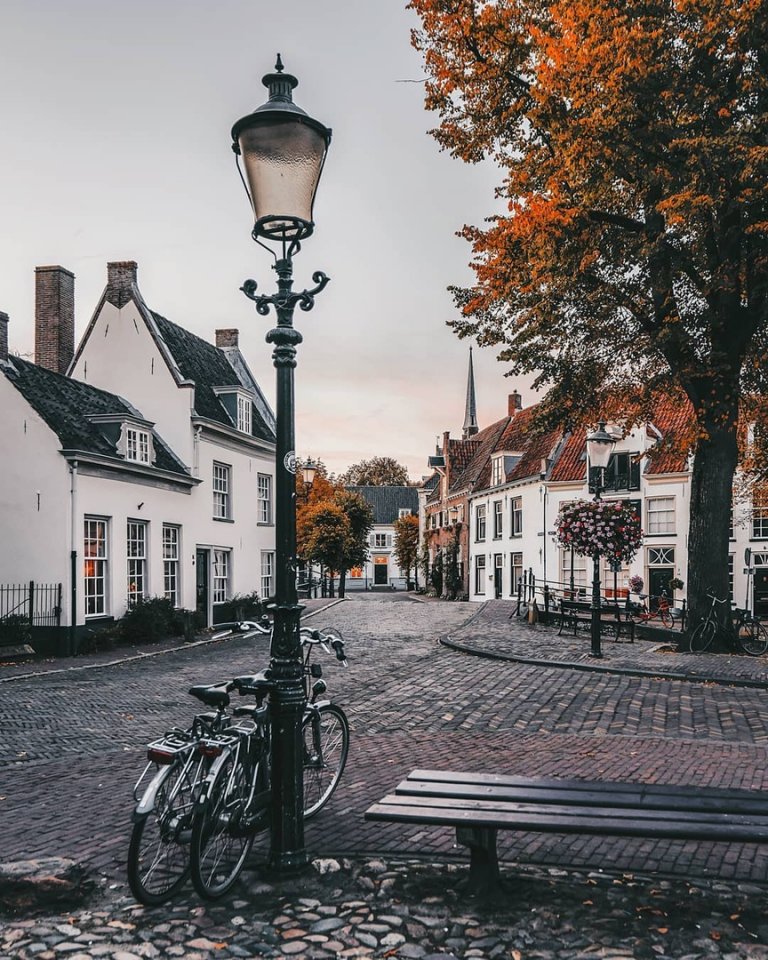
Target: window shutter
x,y
371,539
389,539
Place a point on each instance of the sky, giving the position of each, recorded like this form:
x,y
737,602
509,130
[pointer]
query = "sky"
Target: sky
x,y
115,145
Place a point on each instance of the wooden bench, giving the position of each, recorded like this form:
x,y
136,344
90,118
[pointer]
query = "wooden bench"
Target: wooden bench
x,y
480,804
615,621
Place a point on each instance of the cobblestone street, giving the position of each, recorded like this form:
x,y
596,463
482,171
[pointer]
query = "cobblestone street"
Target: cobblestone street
x,y
73,741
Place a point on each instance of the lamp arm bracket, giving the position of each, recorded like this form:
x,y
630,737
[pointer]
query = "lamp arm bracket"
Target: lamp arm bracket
x,y
284,300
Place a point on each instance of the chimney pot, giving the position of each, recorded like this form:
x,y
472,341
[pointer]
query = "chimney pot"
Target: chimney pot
x,y
3,336
54,318
121,278
227,338
515,403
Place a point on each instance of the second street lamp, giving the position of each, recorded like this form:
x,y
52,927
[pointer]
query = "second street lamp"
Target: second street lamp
x,y
599,447
283,151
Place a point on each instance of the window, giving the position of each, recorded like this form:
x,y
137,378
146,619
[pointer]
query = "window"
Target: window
x,y
760,514
222,483
573,573
661,515
136,559
480,574
244,414
96,559
267,573
480,522
265,498
220,576
382,540
498,518
404,512
622,472
171,564
497,471
730,576
517,516
517,572
137,445
661,556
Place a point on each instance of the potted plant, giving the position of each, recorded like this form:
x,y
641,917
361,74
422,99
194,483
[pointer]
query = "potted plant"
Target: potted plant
x,y
675,584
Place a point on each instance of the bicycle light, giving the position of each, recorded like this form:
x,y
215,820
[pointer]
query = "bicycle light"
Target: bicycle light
x,y
319,687
157,755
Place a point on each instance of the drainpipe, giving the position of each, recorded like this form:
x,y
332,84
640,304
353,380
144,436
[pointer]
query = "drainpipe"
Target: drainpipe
x,y
72,557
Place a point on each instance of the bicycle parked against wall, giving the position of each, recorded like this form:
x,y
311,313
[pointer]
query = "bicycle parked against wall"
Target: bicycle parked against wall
x,y
742,634
234,803
641,613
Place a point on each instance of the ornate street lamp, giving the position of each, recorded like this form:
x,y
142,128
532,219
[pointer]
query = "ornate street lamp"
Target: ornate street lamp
x,y
600,443
308,471
283,151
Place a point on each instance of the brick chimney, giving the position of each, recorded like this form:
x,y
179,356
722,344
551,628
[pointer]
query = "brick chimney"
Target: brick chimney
x,y
514,403
3,337
54,318
227,338
121,278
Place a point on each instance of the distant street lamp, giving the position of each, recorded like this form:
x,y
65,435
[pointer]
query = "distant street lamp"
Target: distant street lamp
x,y
599,447
283,151
308,471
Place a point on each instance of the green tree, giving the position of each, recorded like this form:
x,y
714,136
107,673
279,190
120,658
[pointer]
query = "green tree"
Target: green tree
x,y
406,547
323,532
629,254
451,575
359,515
377,472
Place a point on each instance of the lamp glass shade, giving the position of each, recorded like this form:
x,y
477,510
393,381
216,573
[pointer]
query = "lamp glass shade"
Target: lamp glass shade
x,y
600,445
283,158
308,472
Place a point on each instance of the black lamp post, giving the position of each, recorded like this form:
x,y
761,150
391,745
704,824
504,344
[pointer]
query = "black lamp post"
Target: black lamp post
x,y
283,150
599,447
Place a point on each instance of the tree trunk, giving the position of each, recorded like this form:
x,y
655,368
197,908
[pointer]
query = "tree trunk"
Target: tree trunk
x,y
710,510
342,584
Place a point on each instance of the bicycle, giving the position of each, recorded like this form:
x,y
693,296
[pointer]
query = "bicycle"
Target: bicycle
x,y
640,613
234,802
158,852
746,634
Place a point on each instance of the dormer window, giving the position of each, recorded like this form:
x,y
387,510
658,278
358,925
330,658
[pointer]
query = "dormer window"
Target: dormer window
x,y
137,445
244,414
497,471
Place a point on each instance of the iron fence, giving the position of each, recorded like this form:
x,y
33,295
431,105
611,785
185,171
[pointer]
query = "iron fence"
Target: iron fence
x,y
38,603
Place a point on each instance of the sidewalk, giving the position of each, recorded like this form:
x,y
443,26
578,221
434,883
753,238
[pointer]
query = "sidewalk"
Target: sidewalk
x,y
495,632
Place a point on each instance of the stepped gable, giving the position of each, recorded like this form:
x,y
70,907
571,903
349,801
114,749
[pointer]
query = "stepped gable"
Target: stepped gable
x,y
208,367
387,501
65,405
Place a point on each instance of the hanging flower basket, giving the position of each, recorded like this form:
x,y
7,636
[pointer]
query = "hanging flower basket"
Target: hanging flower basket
x,y
610,528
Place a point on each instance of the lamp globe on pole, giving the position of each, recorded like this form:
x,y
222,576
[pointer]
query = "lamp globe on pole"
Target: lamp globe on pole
x,y
308,471
600,444
283,150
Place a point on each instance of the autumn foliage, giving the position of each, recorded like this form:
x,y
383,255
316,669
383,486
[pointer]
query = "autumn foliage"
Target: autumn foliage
x,y
628,254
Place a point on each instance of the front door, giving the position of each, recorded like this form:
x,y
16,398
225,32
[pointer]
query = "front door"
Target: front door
x,y
658,581
498,573
202,562
760,593
380,571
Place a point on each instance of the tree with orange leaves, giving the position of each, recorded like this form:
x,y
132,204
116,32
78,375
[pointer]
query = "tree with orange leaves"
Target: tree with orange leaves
x,y
631,253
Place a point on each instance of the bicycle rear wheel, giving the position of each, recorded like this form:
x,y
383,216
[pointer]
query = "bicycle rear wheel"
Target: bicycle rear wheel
x,y
702,637
158,854
325,732
753,638
666,617
220,841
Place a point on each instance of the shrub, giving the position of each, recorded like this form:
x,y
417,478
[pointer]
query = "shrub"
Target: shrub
x,y
149,621
242,606
15,630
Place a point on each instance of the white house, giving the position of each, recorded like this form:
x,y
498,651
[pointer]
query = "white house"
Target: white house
x,y
141,465
381,570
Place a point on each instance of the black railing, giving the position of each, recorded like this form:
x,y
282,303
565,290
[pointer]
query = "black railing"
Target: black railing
x,y
37,603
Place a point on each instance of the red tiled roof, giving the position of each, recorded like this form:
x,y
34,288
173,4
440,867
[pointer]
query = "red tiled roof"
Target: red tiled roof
x,y
485,441
571,462
672,418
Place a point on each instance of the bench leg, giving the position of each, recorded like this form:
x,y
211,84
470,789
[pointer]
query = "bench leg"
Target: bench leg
x,y
483,865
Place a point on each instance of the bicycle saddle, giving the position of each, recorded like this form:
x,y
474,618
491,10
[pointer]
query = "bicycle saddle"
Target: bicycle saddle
x,y
211,696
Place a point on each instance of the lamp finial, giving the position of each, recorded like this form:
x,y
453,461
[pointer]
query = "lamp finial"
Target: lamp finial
x,y
279,64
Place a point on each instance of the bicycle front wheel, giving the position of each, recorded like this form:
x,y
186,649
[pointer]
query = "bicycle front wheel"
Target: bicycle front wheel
x,y
666,617
753,638
221,840
325,732
702,637
158,854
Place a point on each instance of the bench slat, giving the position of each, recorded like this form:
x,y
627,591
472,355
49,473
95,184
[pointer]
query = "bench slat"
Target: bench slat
x,y
456,777
650,824
587,795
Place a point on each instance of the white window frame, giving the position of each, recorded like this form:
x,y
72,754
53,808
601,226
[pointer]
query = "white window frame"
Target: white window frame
x,y
480,523
498,519
171,566
137,447
404,512
760,515
221,574
516,566
136,536
95,552
244,414
267,573
480,575
661,556
660,516
498,475
264,487
222,490
580,571
516,517
380,540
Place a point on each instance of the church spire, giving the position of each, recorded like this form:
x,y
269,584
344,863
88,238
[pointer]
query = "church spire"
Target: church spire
x,y
470,414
